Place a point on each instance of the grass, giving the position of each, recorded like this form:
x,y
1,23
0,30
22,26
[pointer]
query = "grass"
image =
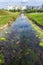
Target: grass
x,y
6,17
1,59
39,31
40,34
38,17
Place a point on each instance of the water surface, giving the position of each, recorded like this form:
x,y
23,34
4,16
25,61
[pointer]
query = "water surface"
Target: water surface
x,y
20,39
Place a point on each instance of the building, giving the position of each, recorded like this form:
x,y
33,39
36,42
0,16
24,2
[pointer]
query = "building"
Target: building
x,y
10,7
42,5
23,7
16,7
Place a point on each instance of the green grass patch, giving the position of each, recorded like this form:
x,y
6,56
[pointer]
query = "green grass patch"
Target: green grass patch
x,y
37,29
6,16
38,17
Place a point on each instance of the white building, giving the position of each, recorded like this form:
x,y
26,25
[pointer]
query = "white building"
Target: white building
x,y
23,7
17,7
10,7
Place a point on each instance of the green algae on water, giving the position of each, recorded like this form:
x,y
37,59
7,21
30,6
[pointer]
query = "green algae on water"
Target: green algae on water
x,y
2,39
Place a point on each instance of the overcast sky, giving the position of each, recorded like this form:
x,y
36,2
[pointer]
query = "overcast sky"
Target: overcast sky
x,y
5,3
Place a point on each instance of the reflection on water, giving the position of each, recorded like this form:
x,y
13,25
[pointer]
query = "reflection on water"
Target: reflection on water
x,y
22,45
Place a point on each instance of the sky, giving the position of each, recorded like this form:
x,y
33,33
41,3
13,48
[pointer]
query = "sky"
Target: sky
x,y
5,3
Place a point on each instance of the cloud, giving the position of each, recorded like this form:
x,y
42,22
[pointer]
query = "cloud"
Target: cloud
x,y
24,0
7,0
4,0
21,1
1,0
4,3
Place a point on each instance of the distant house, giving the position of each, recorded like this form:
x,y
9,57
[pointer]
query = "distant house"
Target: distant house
x,y
37,7
23,7
10,7
42,5
16,7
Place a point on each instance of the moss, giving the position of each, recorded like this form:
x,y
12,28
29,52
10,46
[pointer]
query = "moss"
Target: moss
x,y
2,39
1,58
41,44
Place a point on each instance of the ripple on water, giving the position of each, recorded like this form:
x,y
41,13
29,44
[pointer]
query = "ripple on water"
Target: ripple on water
x,y
22,36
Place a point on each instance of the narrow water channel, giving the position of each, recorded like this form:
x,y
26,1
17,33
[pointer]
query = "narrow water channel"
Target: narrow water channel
x,y
20,41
